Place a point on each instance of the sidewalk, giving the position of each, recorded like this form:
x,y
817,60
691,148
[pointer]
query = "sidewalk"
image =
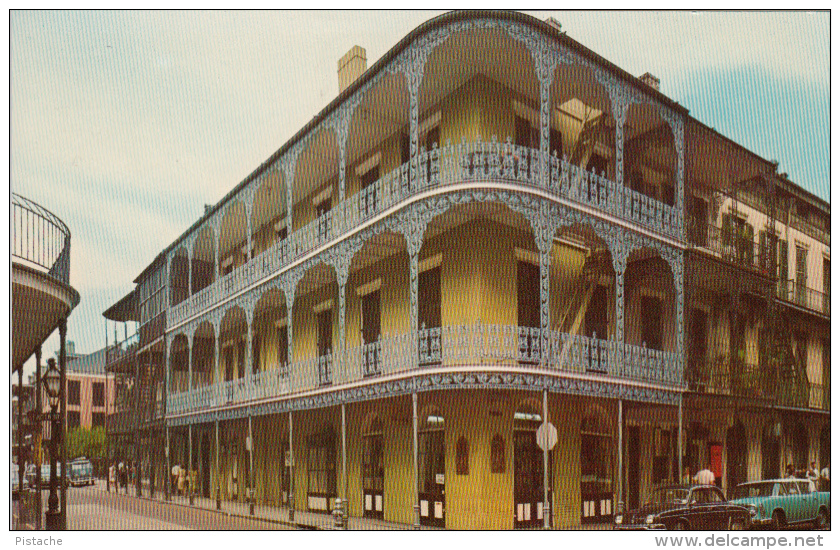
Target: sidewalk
x,y
274,514
303,520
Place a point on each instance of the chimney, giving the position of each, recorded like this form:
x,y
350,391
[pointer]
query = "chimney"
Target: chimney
x,y
650,80
554,23
351,67
208,208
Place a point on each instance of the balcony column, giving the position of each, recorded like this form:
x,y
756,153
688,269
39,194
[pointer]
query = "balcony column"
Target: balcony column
x,y
249,208
216,252
413,313
190,480
679,284
342,273
217,375
189,362
138,408
289,177
544,236
545,72
168,476
619,109
291,462
251,491
679,191
619,255
414,77
189,272
218,471
249,343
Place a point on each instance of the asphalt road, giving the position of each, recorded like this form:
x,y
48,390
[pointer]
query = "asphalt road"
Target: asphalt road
x,y
92,509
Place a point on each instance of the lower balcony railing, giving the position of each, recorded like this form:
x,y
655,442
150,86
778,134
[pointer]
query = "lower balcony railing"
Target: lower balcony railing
x,y
451,346
804,296
437,167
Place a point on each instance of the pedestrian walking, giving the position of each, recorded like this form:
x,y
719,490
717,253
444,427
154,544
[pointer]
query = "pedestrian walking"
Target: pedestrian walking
x,y
790,473
813,473
686,477
182,481
825,481
705,476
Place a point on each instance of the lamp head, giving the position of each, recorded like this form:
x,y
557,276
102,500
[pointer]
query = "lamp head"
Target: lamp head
x,y
52,383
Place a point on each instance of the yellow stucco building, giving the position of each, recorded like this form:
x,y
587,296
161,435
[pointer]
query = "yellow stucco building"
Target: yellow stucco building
x,y
457,251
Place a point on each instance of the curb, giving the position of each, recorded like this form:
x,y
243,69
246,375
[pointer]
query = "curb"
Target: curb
x,y
302,526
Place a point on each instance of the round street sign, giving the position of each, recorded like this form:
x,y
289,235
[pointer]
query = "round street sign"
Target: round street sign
x,y
546,436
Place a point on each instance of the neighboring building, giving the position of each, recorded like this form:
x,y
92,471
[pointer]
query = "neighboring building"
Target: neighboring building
x,y
491,226
90,393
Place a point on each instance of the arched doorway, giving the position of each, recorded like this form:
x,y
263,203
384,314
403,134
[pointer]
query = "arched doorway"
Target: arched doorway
x,y
596,470
770,449
796,442
373,469
205,464
432,465
736,457
528,471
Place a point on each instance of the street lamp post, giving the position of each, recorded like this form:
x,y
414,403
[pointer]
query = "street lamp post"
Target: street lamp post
x,y
52,385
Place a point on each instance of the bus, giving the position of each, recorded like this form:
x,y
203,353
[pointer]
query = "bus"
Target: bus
x,y
81,472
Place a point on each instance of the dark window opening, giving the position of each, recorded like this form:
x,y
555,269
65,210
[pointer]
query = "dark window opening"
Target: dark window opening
x,y
321,464
652,322
462,457
74,392
98,419
98,394
497,455
73,419
597,314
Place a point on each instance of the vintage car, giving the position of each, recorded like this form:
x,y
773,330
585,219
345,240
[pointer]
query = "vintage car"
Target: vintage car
x,y
782,502
696,507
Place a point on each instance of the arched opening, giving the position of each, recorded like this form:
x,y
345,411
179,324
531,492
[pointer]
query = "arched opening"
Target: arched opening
x,y
316,324
378,149
582,122
203,354
373,469
432,466
233,238
596,469
203,259
796,443
650,155
315,192
376,303
270,333
495,74
582,299
178,364
268,214
179,276
233,332
736,457
320,470
528,468
771,452
650,304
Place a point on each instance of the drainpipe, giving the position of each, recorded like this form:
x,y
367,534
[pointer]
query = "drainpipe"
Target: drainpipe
x,y
416,484
546,504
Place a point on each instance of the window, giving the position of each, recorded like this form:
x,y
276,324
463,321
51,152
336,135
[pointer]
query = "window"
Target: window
x,y
321,463
322,210
98,394
699,220
526,135
240,358
98,419
255,353
73,392
405,149
73,419
462,457
652,322
497,455
371,321
324,323
283,345
783,269
597,313
801,273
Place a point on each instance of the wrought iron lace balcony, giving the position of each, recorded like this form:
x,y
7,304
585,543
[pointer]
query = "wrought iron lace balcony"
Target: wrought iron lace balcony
x,y
40,239
729,246
727,376
439,167
483,345
804,296
122,351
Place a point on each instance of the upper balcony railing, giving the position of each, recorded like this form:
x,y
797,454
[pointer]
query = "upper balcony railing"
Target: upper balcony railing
x,y
730,246
510,348
439,167
122,350
804,296
40,238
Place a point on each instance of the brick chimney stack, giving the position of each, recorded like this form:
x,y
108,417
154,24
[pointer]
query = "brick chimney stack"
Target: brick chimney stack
x,y
650,80
351,67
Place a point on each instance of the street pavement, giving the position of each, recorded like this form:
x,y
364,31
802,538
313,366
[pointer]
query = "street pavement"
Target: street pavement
x,y
90,508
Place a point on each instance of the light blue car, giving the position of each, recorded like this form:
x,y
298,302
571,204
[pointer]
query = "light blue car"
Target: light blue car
x,y
777,503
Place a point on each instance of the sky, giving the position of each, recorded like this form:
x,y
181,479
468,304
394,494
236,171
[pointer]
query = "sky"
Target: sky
x,y
125,124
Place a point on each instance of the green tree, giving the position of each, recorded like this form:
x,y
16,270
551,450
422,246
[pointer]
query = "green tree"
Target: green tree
x,y
86,442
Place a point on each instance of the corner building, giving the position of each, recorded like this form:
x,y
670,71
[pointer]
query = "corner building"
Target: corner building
x,y
487,229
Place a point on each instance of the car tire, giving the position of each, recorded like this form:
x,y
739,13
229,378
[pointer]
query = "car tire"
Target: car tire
x,y
736,524
778,521
679,526
822,519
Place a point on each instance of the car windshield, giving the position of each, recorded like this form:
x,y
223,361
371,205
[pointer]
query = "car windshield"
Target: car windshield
x,y
668,495
752,490
80,469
